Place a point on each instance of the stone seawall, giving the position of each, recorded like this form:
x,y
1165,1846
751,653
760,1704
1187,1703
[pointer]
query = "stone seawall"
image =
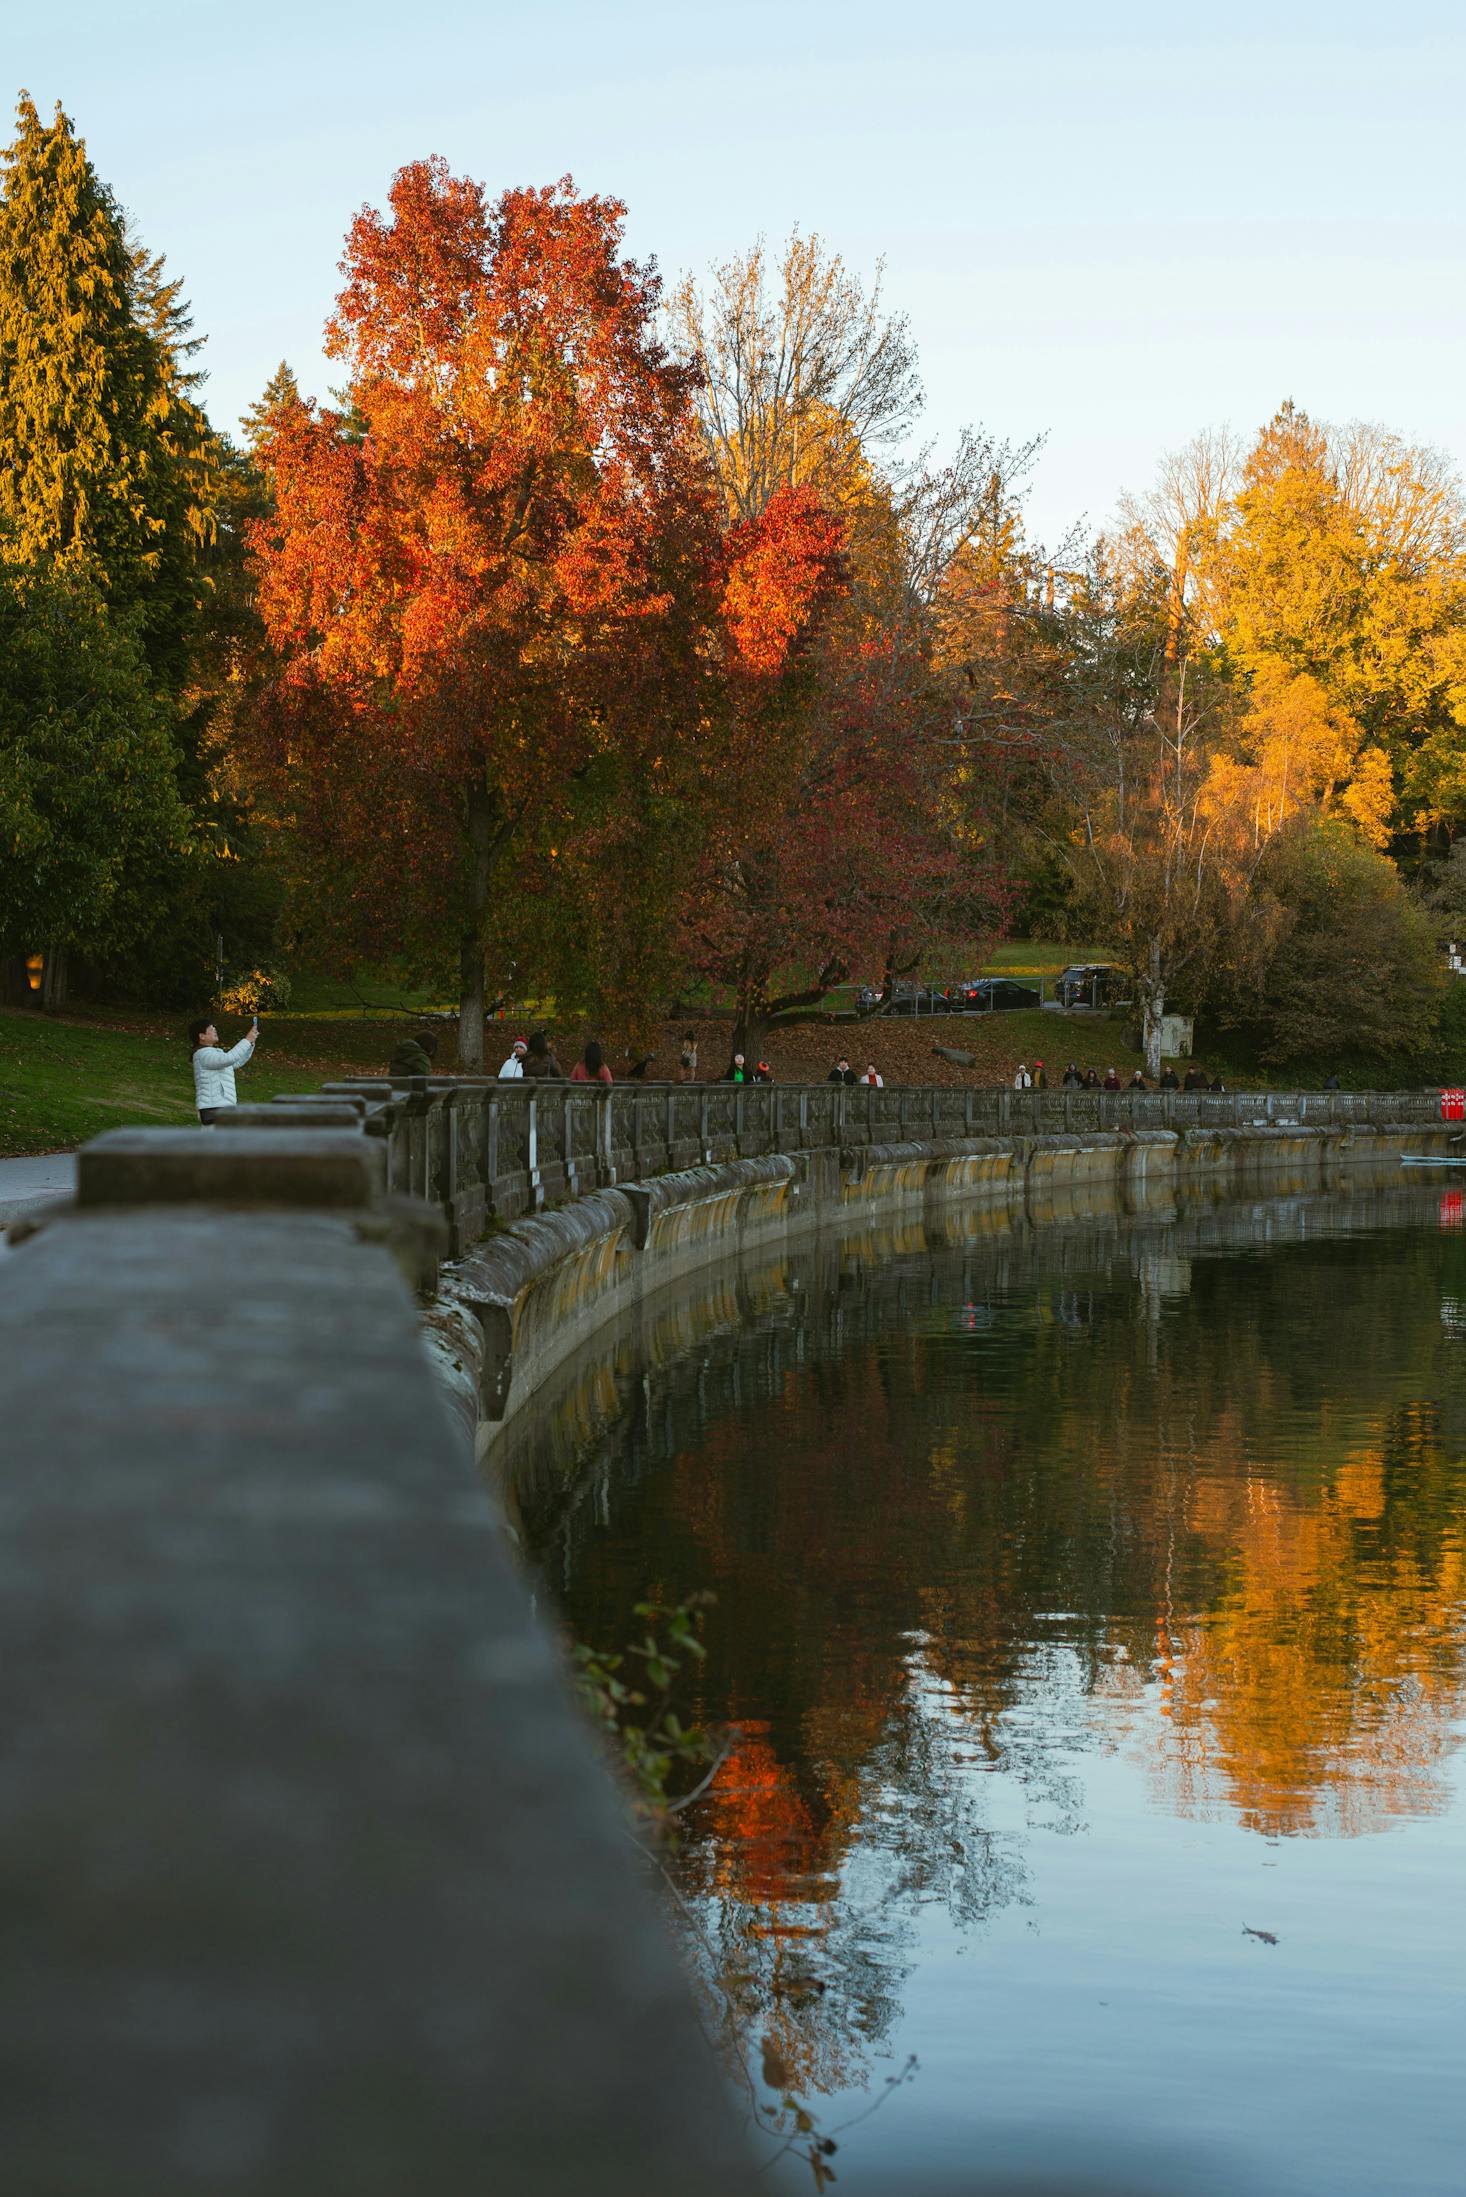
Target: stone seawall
x,y
515,1307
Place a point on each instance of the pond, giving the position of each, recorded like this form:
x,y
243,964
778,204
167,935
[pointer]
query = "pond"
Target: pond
x,y
1090,1637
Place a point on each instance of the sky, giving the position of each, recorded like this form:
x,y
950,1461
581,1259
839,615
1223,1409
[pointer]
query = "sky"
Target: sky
x,y
1109,226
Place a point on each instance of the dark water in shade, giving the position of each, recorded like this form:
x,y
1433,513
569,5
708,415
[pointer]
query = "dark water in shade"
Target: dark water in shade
x,y
1083,1596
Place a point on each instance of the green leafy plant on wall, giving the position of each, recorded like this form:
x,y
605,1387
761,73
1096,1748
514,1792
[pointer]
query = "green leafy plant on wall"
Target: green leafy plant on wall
x,y
630,1696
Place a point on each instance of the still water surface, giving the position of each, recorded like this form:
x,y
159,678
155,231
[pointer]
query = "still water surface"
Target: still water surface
x,y
1085,1599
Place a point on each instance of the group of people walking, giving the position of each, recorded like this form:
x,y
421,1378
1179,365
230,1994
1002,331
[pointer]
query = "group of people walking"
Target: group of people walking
x,y
533,1060
1090,1079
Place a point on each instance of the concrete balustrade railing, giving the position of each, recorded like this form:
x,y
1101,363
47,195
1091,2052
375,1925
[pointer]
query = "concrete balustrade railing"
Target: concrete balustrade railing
x,y
484,1151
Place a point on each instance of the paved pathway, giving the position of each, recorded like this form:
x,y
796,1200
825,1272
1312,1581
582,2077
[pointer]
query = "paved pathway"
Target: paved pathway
x,y
27,1182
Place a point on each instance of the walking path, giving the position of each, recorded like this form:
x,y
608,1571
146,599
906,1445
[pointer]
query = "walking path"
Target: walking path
x,y
28,1182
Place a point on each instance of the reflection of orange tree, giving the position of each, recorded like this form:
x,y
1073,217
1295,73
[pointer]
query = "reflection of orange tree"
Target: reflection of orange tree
x,y
1322,1691
800,1929
1247,1500
769,1879
790,1957
1299,1606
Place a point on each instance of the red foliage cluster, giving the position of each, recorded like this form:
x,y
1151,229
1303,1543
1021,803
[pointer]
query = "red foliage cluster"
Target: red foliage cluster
x,y
501,562
525,690
781,567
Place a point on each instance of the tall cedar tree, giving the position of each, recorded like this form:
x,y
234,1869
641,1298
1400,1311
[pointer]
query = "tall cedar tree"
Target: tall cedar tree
x,y
108,480
500,563
106,463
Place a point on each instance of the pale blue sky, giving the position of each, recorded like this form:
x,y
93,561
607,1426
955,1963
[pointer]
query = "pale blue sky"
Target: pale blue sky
x,y
1113,224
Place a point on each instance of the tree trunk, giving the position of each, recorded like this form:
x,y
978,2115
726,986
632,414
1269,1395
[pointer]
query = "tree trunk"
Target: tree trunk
x,y
1152,1009
750,1034
471,1004
471,945
750,1020
53,980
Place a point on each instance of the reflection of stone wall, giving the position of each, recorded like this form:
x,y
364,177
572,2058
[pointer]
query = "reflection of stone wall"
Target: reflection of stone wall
x,y
646,1353
525,1300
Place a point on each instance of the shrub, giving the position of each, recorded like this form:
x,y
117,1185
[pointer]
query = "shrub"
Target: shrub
x,y
254,993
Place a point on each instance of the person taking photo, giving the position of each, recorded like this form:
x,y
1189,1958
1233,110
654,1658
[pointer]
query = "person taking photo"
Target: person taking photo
x,y
213,1068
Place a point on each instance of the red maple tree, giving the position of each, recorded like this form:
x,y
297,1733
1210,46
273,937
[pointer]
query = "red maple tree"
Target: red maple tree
x,y
496,574
840,851
495,562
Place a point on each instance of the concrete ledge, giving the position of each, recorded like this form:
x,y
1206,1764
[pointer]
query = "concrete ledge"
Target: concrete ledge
x,y
297,1113
317,1883
232,1167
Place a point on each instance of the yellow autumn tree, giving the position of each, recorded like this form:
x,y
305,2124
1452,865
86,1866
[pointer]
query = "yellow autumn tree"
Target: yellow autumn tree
x,y
1341,559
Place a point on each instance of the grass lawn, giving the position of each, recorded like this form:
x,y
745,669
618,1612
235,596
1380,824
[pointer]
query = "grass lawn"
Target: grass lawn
x,y
64,1078
1036,957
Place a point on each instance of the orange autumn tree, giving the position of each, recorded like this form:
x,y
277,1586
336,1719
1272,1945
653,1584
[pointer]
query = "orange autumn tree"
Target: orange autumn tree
x,y
496,564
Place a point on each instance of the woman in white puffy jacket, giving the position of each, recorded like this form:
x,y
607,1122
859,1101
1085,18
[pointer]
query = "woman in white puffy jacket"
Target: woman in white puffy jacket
x,y
213,1068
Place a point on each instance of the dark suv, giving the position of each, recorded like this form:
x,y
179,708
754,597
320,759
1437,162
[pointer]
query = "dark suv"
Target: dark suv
x,y
1088,984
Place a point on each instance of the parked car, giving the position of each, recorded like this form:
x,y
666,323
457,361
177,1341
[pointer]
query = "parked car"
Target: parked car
x,y
1000,994
1089,984
979,995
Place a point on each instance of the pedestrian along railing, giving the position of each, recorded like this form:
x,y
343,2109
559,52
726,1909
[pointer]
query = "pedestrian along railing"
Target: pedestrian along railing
x,y
483,1151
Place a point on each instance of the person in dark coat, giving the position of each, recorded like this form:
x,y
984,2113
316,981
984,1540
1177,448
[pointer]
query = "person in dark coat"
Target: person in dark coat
x,y
1073,1080
1195,1079
737,1070
1091,1079
413,1056
540,1062
1138,1082
1170,1081
842,1072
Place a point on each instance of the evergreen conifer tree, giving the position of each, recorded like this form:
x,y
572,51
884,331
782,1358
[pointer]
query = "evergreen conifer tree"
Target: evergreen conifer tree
x,y
280,395
111,483
107,465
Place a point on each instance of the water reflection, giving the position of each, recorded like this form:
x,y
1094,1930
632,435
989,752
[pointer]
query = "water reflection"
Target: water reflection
x,y
1024,1551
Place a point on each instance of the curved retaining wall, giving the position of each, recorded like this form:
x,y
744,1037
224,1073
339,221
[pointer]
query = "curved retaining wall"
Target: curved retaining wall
x,y
518,1305
486,1153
